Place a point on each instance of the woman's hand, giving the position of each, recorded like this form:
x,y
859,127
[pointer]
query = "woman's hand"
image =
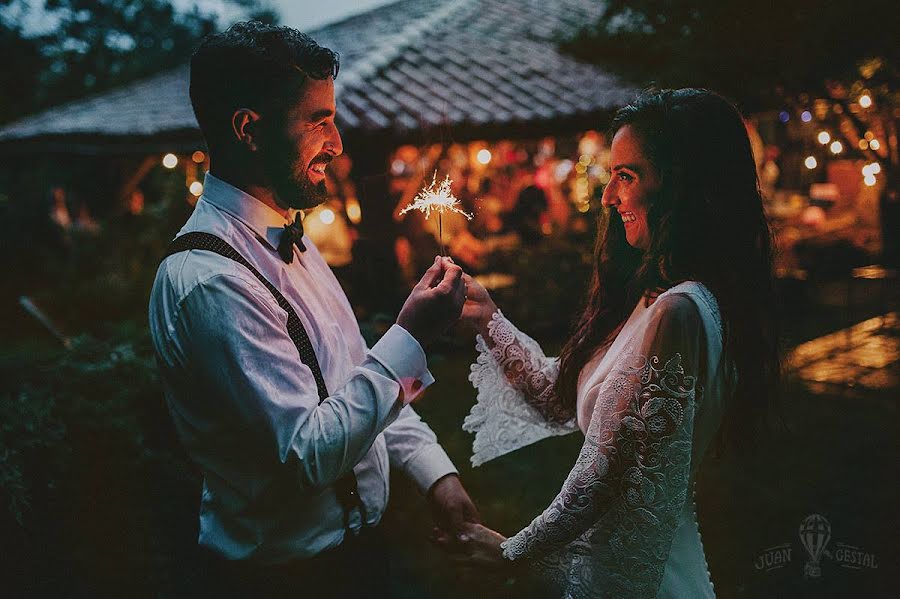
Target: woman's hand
x,y
479,306
474,546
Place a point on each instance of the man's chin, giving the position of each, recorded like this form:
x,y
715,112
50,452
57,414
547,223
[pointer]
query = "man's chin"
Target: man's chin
x,y
303,196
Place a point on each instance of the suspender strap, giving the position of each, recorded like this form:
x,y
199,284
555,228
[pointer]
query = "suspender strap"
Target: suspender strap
x,y
346,486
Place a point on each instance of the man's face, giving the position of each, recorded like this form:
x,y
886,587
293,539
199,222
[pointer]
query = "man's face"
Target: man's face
x,y
297,147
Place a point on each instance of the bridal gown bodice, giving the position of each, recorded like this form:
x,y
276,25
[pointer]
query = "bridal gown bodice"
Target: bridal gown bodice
x,y
649,404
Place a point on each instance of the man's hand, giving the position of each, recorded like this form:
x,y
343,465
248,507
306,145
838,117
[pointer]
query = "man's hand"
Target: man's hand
x,y
435,302
451,506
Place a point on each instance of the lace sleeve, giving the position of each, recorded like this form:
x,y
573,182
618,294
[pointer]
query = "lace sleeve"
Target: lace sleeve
x,y
622,498
516,403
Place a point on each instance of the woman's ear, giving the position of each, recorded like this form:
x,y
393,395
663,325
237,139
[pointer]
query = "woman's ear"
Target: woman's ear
x,y
244,127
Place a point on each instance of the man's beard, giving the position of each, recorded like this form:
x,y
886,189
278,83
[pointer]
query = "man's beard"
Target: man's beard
x,y
291,183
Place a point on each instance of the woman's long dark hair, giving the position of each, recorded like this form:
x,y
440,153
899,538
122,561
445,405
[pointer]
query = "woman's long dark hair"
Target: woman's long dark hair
x,y
706,224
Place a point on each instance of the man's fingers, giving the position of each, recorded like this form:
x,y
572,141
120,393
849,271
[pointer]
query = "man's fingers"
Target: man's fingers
x,y
432,275
451,280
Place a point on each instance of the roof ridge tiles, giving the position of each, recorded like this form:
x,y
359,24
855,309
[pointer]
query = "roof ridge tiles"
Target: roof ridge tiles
x,y
391,46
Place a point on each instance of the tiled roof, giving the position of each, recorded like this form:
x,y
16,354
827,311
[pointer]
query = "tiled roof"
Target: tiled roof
x,y
408,65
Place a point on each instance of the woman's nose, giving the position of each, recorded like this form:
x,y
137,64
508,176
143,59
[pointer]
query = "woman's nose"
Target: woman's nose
x,y
608,198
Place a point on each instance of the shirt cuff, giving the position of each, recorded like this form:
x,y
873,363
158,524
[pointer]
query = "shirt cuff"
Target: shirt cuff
x,y
429,465
403,357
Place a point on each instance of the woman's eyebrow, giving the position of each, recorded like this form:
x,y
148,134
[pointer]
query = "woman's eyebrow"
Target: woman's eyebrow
x,y
629,166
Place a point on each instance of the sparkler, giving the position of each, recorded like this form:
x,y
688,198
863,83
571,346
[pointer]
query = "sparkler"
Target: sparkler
x,y
437,197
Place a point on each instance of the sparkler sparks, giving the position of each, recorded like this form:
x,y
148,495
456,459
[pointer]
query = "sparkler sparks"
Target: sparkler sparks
x,y
437,197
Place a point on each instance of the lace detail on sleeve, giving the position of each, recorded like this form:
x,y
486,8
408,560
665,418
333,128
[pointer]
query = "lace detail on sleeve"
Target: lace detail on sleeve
x,y
516,404
609,530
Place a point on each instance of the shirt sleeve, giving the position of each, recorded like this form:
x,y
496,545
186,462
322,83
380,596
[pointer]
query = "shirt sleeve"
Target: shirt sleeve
x,y
413,448
636,454
237,343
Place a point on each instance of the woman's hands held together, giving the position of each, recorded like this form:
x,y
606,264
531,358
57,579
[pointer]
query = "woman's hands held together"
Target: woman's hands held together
x,y
475,546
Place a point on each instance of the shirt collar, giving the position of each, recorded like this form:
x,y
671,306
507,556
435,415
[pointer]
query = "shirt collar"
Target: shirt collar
x,y
262,219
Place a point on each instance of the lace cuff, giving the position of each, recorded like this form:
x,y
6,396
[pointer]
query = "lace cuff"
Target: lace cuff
x,y
516,404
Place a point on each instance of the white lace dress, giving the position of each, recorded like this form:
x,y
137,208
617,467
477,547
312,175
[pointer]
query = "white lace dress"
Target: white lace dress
x,y
624,523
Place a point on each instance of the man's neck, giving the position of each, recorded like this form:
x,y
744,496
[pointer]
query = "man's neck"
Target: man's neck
x,y
262,193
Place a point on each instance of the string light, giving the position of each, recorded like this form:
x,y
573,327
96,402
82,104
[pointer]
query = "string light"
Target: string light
x,y
198,157
170,161
875,145
196,188
811,162
836,147
784,116
483,156
865,100
869,180
871,169
863,144
824,137
806,116
354,211
326,216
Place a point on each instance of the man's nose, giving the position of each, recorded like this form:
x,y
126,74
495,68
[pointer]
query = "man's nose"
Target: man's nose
x,y
334,145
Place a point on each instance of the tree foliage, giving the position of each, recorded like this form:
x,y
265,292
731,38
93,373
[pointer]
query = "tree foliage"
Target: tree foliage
x,y
754,52
94,45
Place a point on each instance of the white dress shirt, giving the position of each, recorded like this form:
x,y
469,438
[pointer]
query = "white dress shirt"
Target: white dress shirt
x,y
247,408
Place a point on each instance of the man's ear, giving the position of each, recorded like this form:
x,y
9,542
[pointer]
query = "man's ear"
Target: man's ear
x,y
244,125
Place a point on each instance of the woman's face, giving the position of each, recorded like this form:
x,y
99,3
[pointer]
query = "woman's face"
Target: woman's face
x,y
633,182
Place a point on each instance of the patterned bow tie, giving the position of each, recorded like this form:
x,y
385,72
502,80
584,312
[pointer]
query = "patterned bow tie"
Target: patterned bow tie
x,y
291,236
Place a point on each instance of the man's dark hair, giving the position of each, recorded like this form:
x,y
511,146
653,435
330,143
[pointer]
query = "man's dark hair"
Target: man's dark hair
x,y
253,65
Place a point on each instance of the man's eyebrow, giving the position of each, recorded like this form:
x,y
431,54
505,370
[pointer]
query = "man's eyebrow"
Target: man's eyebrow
x,y
318,115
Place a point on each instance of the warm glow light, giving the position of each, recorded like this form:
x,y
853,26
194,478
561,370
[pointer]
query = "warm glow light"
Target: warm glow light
x,y
354,211
824,137
806,116
875,144
326,216
836,147
811,162
170,161
196,188
869,136
863,144
483,156
198,156
869,180
865,100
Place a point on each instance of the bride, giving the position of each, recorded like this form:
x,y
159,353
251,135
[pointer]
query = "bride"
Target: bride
x,y
676,347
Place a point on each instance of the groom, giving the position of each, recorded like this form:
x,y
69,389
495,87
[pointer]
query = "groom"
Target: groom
x,y
290,417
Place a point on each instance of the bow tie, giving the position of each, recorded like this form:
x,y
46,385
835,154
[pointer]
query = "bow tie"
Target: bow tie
x,y
291,236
